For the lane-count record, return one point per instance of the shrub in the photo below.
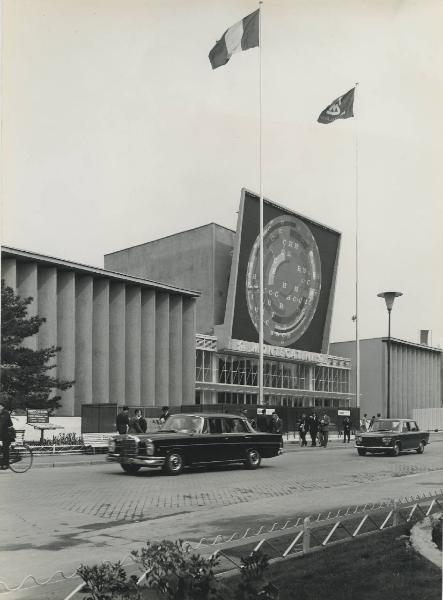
(437, 532)
(252, 585)
(176, 573)
(109, 581)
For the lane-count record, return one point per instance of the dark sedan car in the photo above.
(195, 439)
(392, 436)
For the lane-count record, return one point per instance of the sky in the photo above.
(116, 131)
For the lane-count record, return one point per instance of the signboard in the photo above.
(300, 263)
(288, 353)
(344, 413)
(37, 415)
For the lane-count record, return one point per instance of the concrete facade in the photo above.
(123, 339)
(197, 259)
(415, 375)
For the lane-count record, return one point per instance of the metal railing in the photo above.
(295, 537)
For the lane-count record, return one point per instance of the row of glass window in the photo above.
(277, 374)
(274, 400)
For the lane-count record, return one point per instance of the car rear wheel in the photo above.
(396, 450)
(361, 452)
(130, 469)
(174, 463)
(253, 459)
(421, 448)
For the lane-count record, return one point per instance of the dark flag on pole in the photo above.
(241, 36)
(341, 108)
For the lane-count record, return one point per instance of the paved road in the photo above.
(57, 518)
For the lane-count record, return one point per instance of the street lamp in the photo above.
(389, 299)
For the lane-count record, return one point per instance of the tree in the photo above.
(25, 378)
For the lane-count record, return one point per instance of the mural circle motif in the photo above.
(292, 280)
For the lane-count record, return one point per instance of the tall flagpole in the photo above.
(357, 315)
(260, 367)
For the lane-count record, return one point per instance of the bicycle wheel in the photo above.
(20, 458)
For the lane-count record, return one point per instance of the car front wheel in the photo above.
(421, 448)
(130, 469)
(396, 450)
(174, 464)
(361, 452)
(253, 459)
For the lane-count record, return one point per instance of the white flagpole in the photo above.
(357, 315)
(260, 368)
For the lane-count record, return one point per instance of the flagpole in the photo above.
(260, 368)
(357, 315)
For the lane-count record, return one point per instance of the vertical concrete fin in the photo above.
(147, 348)
(100, 341)
(66, 339)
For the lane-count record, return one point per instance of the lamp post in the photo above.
(389, 299)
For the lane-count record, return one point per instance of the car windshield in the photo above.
(386, 425)
(183, 424)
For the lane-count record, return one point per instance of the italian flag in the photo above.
(241, 36)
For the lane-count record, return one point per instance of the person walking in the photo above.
(276, 423)
(122, 422)
(165, 414)
(7, 435)
(303, 430)
(313, 428)
(138, 423)
(262, 421)
(364, 423)
(324, 430)
(347, 424)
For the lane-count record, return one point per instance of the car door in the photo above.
(235, 432)
(215, 441)
(407, 437)
(414, 434)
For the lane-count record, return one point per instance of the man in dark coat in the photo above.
(347, 429)
(122, 422)
(313, 428)
(276, 423)
(262, 421)
(138, 423)
(165, 414)
(303, 429)
(6, 435)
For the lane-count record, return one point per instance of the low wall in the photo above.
(428, 419)
(66, 424)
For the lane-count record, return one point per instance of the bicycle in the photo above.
(20, 454)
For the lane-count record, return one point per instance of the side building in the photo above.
(123, 339)
(415, 376)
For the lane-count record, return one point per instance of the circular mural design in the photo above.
(292, 280)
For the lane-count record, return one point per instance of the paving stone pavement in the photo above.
(61, 517)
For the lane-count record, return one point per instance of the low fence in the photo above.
(292, 538)
(428, 419)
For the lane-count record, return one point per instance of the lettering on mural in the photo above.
(290, 353)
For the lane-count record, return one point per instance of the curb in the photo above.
(421, 540)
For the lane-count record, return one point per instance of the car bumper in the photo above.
(149, 461)
(370, 448)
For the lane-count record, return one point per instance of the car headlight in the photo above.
(386, 440)
(150, 448)
(112, 445)
(358, 439)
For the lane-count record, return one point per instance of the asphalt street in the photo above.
(55, 519)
